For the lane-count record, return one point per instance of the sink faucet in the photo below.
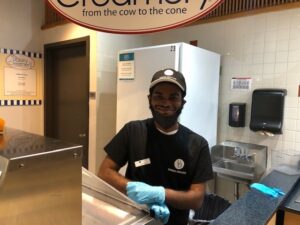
(238, 152)
(242, 153)
(251, 157)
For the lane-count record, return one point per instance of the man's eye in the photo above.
(174, 98)
(171, 98)
(157, 97)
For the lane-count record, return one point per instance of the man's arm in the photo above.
(109, 172)
(190, 199)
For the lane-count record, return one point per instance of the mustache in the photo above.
(165, 121)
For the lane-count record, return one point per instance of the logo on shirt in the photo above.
(179, 164)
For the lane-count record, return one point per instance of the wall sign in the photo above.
(133, 16)
(20, 78)
(126, 66)
(241, 83)
(19, 82)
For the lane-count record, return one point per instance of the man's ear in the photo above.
(183, 102)
(149, 101)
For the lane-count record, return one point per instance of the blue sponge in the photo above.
(274, 192)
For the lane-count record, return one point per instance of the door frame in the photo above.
(48, 48)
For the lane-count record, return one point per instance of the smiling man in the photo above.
(168, 164)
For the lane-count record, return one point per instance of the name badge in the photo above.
(142, 162)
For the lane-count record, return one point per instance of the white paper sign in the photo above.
(126, 66)
(241, 83)
(19, 82)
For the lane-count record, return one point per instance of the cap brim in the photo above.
(166, 80)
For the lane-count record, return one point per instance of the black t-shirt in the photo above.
(173, 161)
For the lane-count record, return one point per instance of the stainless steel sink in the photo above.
(239, 161)
(235, 169)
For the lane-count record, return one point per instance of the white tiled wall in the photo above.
(265, 47)
(268, 52)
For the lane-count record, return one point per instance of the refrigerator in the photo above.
(201, 69)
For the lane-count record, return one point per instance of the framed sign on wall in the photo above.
(20, 78)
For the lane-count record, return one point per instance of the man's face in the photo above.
(166, 99)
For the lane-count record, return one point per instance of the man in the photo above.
(168, 164)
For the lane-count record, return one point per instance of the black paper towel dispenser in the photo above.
(267, 110)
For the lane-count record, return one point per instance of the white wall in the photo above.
(20, 23)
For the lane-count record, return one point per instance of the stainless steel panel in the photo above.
(40, 181)
(104, 205)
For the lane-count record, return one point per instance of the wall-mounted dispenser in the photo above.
(267, 110)
(237, 114)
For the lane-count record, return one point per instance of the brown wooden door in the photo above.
(67, 92)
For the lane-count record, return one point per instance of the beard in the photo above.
(165, 121)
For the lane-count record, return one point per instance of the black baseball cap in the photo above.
(169, 75)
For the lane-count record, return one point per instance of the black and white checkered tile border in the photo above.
(20, 102)
(29, 54)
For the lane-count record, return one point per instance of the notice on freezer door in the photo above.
(126, 66)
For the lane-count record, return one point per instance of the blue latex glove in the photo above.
(145, 194)
(161, 212)
(274, 192)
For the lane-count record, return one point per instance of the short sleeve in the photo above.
(129, 143)
(117, 148)
(201, 166)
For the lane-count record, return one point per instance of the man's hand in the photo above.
(145, 194)
(161, 212)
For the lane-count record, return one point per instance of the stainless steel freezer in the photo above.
(40, 180)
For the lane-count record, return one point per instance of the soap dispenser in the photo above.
(237, 114)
